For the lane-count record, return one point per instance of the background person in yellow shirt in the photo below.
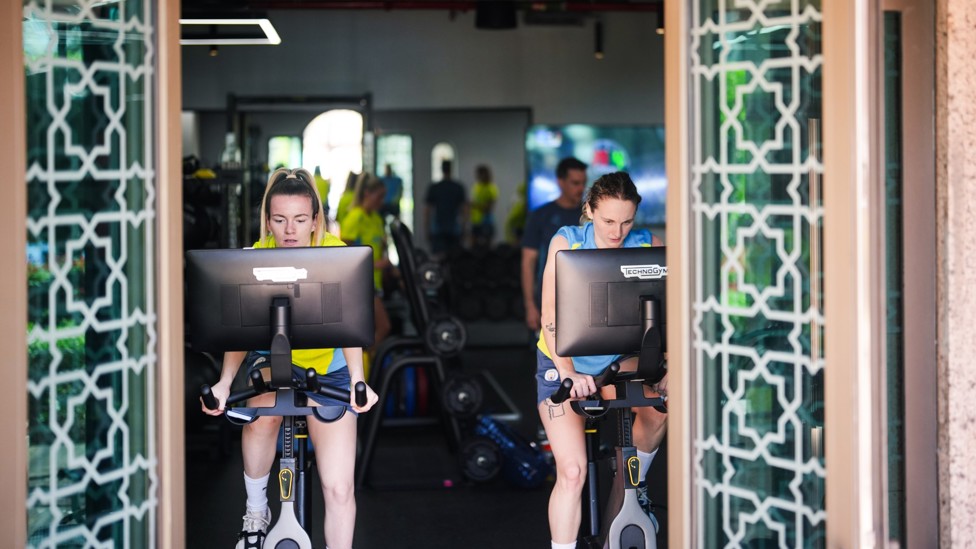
(484, 195)
(348, 197)
(364, 225)
(322, 185)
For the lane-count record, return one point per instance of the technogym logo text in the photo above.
(644, 272)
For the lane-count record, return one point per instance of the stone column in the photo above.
(956, 207)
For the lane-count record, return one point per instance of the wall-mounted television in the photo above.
(638, 150)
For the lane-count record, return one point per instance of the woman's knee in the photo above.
(650, 418)
(264, 426)
(571, 474)
(649, 428)
(341, 491)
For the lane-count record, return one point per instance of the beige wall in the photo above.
(956, 204)
(169, 268)
(680, 451)
(13, 282)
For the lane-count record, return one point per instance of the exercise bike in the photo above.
(290, 531)
(625, 524)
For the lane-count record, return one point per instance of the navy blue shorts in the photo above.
(338, 379)
(546, 377)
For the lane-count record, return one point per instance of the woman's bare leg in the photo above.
(564, 428)
(335, 458)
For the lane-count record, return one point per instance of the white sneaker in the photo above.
(646, 504)
(254, 529)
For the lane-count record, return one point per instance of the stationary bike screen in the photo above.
(329, 291)
(599, 296)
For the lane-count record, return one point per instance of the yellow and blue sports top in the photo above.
(323, 360)
(322, 185)
(345, 202)
(362, 227)
(582, 238)
(483, 194)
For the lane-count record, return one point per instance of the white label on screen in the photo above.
(644, 272)
(279, 274)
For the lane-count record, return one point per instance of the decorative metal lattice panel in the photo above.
(757, 308)
(89, 69)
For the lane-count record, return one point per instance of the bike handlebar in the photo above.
(602, 379)
(562, 393)
(312, 385)
(209, 400)
(359, 392)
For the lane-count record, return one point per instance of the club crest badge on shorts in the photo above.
(552, 375)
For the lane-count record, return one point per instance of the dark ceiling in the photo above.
(213, 8)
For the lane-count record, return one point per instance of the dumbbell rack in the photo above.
(381, 379)
(440, 338)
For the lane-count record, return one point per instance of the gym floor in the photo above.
(412, 507)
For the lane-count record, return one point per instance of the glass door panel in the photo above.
(757, 343)
(91, 219)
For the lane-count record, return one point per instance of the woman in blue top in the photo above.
(291, 216)
(608, 216)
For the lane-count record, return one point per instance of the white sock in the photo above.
(570, 545)
(645, 463)
(257, 492)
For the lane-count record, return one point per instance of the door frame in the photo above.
(170, 434)
(13, 282)
(919, 273)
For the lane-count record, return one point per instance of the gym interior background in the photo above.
(113, 477)
(476, 89)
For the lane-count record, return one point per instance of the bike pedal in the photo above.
(590, 542)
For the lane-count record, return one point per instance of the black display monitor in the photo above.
(328, 291)
(604, 298)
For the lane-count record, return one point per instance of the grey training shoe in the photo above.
(254, 530)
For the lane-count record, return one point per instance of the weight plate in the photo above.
(390, 405)
(410, 391)
(462, 396)
(446, 336)
(429, 276)
(401, 402)
(423, 390)
(480, 458)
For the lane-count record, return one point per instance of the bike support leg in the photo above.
(288, 527)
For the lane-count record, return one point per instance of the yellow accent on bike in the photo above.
(633, 469)
(285, 480)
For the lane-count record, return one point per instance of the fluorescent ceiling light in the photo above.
(230, 32)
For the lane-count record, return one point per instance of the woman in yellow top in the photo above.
(348, 195)
(291, 216)
(322, 185)
(484, 195)
(364, 225)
